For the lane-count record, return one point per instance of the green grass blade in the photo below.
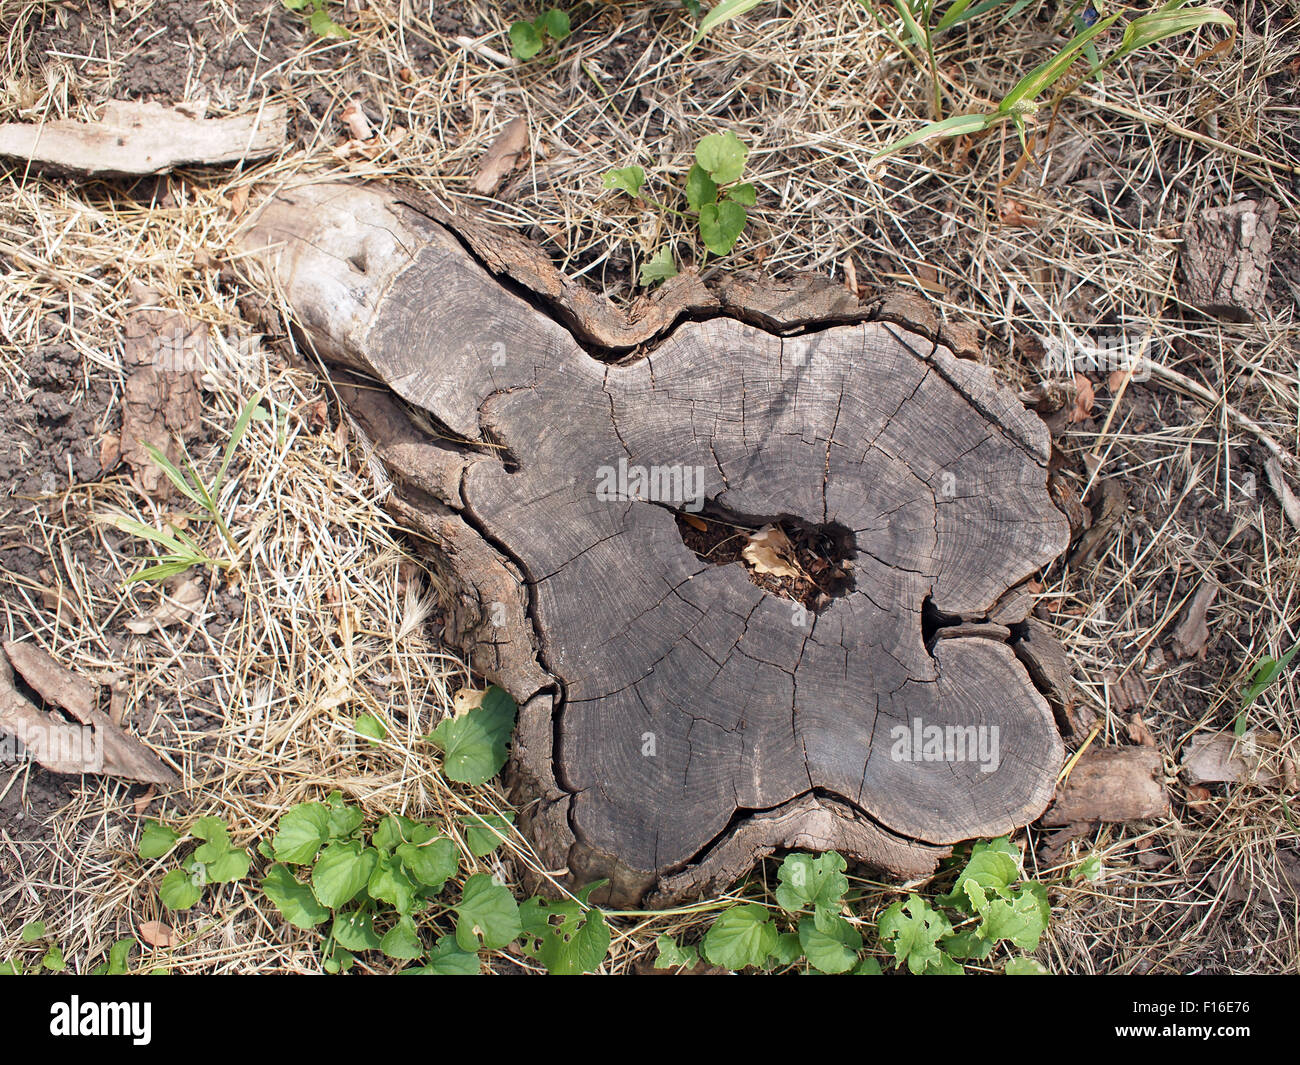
(144, 532)
(236, 435)
(949, 127)
(173, 474)
(1048, 73)
(724, 12)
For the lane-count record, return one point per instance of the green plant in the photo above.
(528, 38)
(1265, 675)
(215, 861)
(181, 552)
(321, 24)
(812, 924)
(715, 197)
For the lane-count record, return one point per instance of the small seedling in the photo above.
(527, 39)
(714, 195)
(321, 24)
(215, 861)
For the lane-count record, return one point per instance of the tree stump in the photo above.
(678, 722)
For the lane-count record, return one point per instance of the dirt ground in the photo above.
(251, 696)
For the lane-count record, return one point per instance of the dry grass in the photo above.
(254, 702)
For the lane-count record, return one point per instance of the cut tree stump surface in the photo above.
(676, 721)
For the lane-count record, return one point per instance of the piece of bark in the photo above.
(1224, 758)
(1225, 258)
(1277, 481)
(1110, 501)
(504, 156)
(143, 138)
(115, 752)
(675, 720)
(163, 355)
(1111, 784)
(1192, 632)
(1049, 668)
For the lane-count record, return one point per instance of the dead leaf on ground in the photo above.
(1012, 212)
(1223, 758)
(176, 606)
(505, 154)
(54, 741)
(1139, 733)
(1192, 633)
(156, 934)
(1085, 398)
(358, 124)
(769, 551)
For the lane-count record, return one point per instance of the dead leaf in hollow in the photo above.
(699, 524)
(175, 607)
(1085, 398)
(156, 934)
(505, 154)
(769, 551)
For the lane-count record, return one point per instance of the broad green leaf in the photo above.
(741, 936)
(32, 931)
(393, 830)
(303, 829)
(355, 930)
(555, 23)
(673, 955)
(967, 945)
(568, 939)
(525, 41)
(1019, 920)
(658, 268)
(294, 899)
(487, 915)
(1025, 967)
(720, 225)
(390, 884)
(955, 126)
(722, 155)
(53, 960)
(324, 26)
(118, 954)
(627, 179)
(700, 188)
(178, 890)
(484, 833)
(341, 871)
(745, 195)
(990, 868)
(806, 881)
(788, 950)
(212, 830)
(370, 727)
(830, 947)
(156, 840)
(12, 967)
(912, 930)
(227, 866)
(945, 966)
(720, 13)
(344, 818)
(447, 959)
(431, 864)
(402, 941)
(869, 966)
(474, 744)
(1089, 869)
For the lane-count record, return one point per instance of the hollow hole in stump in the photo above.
(822, 553)
(932, 620)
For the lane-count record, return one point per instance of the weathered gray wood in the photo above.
(678, 721)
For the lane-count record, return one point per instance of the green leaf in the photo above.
(1019, 920)
(967, 945)
(721, 225)
(721, 13)
(236, 435)
(174, 475)
(118, 954)
(741, 936)
(324, 26)
(355, 930)
(388, 883)
(627, 179)
(228, 866)
(807, 881)
(53, 960)
(402, 941)
(745, 194)
(1047, 74)
(992, 868)
(555, 23)
(32, 931)
(178, 890)
(487, 915)
(722, 155)
(1025, 967)
(658, 268)
(447, 959)
(474, 744)
(12, 967)
(295, 900)
(869, 966)
(830, 946)
(393, 830)
(945, 966)
(955, 126)
(297, 5)
(344, 819)
(370, 727)
(341, 871)
(303, 829)
(431, 864)
(672, 955)
(568, 940)
(484, 833)
(156, 840)
(788, 950)
(1089, 869)
(1268, 670)
(700, 188)
(1169, 21)
(912, 930)
(525, 41)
